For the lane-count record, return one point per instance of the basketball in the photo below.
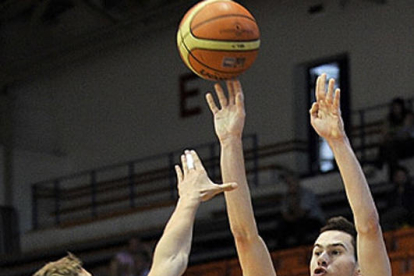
(218, 39)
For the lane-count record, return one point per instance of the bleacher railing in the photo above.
(147, 182)
(367, 124)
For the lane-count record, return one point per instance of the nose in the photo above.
(323, 259)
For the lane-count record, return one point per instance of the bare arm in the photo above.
(253, 254)
(194, 186)
(327, 121)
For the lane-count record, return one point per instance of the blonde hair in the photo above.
(66, 266)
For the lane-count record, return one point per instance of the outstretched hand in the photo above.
(230, 115)
(193, 182)
(325, 113)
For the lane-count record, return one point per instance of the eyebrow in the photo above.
(331, 245)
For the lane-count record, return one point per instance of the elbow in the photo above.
(177, 264)
(244, 236)
(370, 225)
(243, 233)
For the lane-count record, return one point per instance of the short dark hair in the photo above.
(342, 224)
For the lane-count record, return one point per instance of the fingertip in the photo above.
(230, 187)
(239, 97)
(194, 154)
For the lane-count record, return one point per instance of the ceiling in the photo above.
(39, 34)
(34, 33)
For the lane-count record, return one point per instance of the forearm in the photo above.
(372, 253)
(356, 186)
(172, 250)
(238, 203)
(253, 254)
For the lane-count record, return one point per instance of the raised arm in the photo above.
(229, 120)
(194, 186)
(327, 121)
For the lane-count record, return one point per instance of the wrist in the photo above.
(230, 140)
(338, 142)
(189, 201)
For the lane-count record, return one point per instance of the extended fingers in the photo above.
(179, 174)
(320, 87)
(184, 164)
(220, 94)
(197, 162)
(230, 89)
(240, 100)
(337, 99)
(190, 160)
(329, 96)
(211, 103)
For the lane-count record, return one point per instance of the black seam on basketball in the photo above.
(221, 40)
(205, 65)
(222, 16)
(191, 57)
(214, 18)
(212, 39)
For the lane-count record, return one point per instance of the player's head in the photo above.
(66, 266)
(334, 251)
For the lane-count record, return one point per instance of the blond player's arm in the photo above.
(172, 251)
(327, 122)
(253, 254)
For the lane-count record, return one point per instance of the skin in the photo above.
(173, 249)
(325, 115)
(333, 253)
(229, 118)
(326, 120)
(194, 187)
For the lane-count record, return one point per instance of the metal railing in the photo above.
(364, 117)
(129, 186)
(149, 182)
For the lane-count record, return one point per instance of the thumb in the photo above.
(217, 189)
(226, 187)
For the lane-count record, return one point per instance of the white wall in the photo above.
(123, 103)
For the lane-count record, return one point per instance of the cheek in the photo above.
(312, 264)
(347, 265)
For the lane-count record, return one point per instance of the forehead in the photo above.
(335, 237)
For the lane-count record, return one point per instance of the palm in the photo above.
(229, 118)
(328, 123)
(198, 185)
(229, 121)
(194, 183)
(325, 112)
